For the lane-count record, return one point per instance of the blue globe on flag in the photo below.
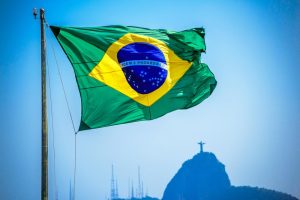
(144, 66)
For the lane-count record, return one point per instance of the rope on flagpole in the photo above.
(75, 167)
(52, 130)
(70, 114)
(62, 84)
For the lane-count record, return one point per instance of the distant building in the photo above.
(113, 185)
(133, 193)
(144, 198)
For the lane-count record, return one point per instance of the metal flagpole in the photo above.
(44, 161)
(44, 111)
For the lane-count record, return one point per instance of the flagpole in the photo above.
(44, 163)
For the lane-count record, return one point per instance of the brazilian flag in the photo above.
(127, 74)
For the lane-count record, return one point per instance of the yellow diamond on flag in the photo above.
(140, 67)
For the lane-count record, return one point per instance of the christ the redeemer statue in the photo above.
(201, 146)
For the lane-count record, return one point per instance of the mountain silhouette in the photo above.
(204, 178)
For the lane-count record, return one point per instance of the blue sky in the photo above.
(251, 122)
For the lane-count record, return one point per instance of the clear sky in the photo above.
(251, 121)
